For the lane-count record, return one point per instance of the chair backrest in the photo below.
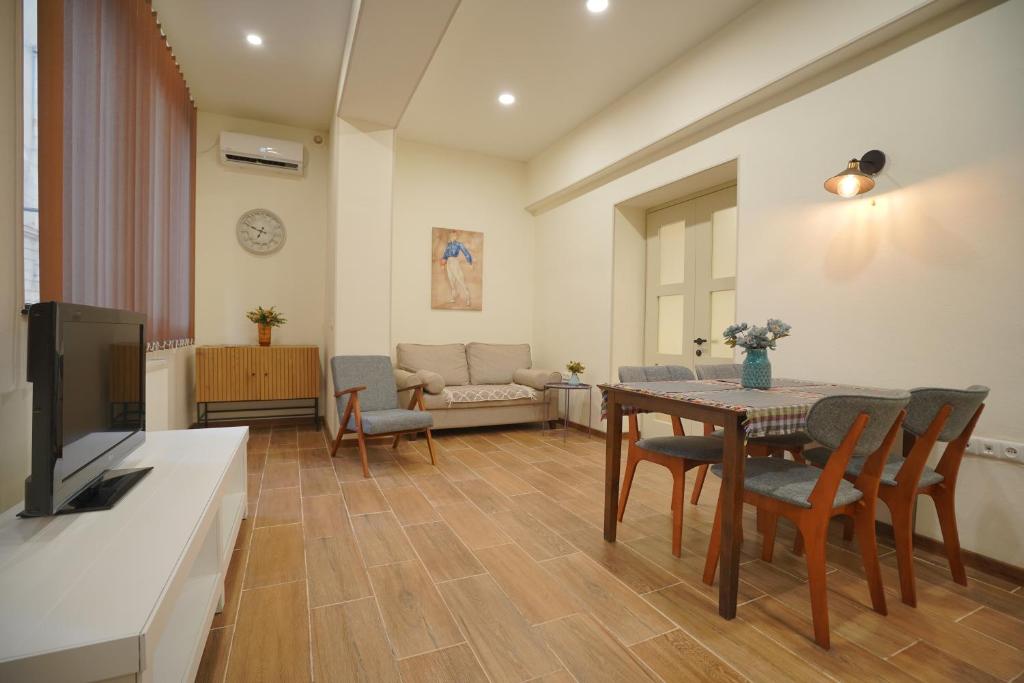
(718, 371)
(926, 402)
(654, 373)
(831, 418)
(373, 372)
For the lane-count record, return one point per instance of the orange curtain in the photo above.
(123, 236)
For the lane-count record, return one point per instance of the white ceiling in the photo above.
(292, 78)
(563, 64)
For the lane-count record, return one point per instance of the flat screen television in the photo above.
(86, 366)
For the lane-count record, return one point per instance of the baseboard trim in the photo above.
(271, 421)
(983, 563)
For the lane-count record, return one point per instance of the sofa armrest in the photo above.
(405, 379)
(535, 377)
(432, 382)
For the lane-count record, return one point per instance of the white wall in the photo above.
(916, 284)
(442, 187)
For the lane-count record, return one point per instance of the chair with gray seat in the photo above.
(758, 446)
(933, 415)
(367, 398)
(851, 426)
(677, 453)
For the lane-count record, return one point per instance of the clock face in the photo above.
(260, 231)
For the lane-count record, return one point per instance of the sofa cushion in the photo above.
(447, 360)
(496, 363)
(394, 420)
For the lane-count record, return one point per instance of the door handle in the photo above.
(699, 340)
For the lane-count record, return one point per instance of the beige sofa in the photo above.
(474, 385)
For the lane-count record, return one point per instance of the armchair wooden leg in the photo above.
(430, 448)
(337, 440)
(945, 507)
(868, 543)
(394, 443)
(678, 486)
(346, 414)
(627, 482)
(902, 531)
(362, 451)
(698, 484)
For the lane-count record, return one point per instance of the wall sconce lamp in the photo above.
(858, 176)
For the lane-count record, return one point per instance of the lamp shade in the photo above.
(850, 182)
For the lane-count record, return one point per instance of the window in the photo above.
(30, 169)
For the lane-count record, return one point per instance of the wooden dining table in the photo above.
(742, 414)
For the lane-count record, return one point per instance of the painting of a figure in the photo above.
(457, 269)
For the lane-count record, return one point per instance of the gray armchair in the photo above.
(367, 397)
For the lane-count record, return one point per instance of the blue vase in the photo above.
(757, 370)
(574, 379)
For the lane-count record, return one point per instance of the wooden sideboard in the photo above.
(238, 374)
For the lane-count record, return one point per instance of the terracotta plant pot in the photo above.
(264, 334)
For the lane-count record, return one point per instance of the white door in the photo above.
(691, 283)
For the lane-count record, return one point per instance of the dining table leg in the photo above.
(732, 514)
(612, 460)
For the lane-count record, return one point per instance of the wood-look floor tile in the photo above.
(590, 653)
(536, 539)
(214, 663)
(336, 572)
(415, 617)
(381, 539)
(471, 458)
(278, 506)
(363, 497)
(310, 439)
(925, 662)
(484, 496)
(252, 486)
(232, 589)
(282, 454)
(324, 516)
(689, 568)
(245, 531)
(508, 648)
(438, 490)
(675, 656)
(621, 610)
(409, 505)
(534, 592)
(277, 475)
(389, 475)
(283, 437)
(504, 481)
(545, 483)
(550, 513)
(441, 551)
(271, 635)
(626, 565)
(347, 465)
(978, 591)
(996, 625)
(451, 665)
(454, 469)
(314, 457)
(276, 556)
(473, 527)
(255, 461)
(318, 481)
(349, 644)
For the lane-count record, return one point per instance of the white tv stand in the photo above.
(127, 593)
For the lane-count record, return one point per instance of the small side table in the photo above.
(569, 388)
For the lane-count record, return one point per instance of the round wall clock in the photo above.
(260, 231)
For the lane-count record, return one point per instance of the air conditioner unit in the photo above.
(238, 149)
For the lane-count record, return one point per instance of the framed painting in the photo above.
(456, 269)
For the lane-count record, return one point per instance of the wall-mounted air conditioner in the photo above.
(238, 149)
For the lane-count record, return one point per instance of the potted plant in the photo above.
(575, 369)
(755, 342)
(265, 319)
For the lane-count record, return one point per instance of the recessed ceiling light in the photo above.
(597, 6)
(254, 39)
(507, 98)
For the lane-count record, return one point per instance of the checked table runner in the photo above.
(780, 410)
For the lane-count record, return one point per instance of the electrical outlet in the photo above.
(997, 449)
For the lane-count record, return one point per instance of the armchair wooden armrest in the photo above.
(416, 400)
(350, 390)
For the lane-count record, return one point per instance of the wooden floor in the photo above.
(492, 567)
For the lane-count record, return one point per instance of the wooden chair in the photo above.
(677, 453)
(368, 404)
(757, 447)
(933, 415)
(850, 425)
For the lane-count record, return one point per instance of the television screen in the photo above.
(102, 364)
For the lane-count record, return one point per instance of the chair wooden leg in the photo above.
(902, 531)
(714, 546)
(945, 507)
(430, 448)
(798, 454)
(627, 482)
(770, 523)
(815, 552)
(868, 543)
(698, 484)
(678, 486)
(798, 543)
(848, 525)
(394, 443)
(337, 440)
(362, 450)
